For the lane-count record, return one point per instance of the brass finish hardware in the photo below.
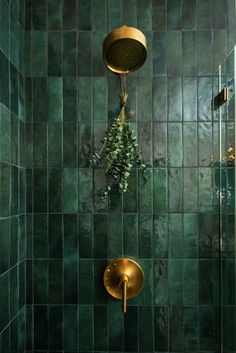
(123, 279)
(221, 98)
(124, 50)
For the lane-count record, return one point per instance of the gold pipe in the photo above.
(124, 296)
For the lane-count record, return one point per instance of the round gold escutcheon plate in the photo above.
(116, 271)
(124, 50)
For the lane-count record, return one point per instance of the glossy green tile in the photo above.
(208, 322)
(70, 145)
(5, 190)
(189, 14)
(100, 235)
(101, 328)
(161, 323)
(159, 102)
(160, 282)
(159, 190)
(54, 14)
(99, 15)
(4, 82)
(175, 198)
(100, 294)
(69, 99)
(85, 98)
(69, 14)
(205, 144)
(190, 196)
(4, 27)
(5, 341)
(70, 277)
(55, 190)
(71, 327)
(219, 48)
(204, 98)
(160, 236)
(85, 144)
(86, 295)
(14, 40)
(70, 191)
(175, 236)
(69, 54)
(85, 55)
(54, 145)
(55, 99)
(175, 154)
(189, 52)
(86, 328)
(190, 145)
(54, 53)
(145, 235)
(174, 53)
(131, 329)
(190, 229)
(100, 94)
(85, 236)
(190, 282)
(144, 22)
(99, 68)
(39, 15)
(145, 192)
(130, 234)
(39, 53)
(85, 190)
(175, 99)
(84, 10)
(159, 14)
(144, 100)
(40, 106)
(5, 302)
(204, 46)
(40, 237)
(160, 144)
(113, 14)
(205, 189)
(14, 140)
(40, 145)
(40, 327)
(146, 296)
(14, 93)
(191, 328)
(174, 14)
(14, 190)
(40, 190)
(176, 328)
(130, 197)
(55, 236)
(114, 240)
(40, 284)
(55, 285)
(5, 128)
(55, 316)
(175, 282)
(4, 245)
(116, 328)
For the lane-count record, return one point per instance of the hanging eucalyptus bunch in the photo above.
(119, 153)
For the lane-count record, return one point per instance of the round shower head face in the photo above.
(124, 50)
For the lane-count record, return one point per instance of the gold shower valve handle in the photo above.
(123, 279)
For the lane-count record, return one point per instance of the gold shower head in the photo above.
(124, 50)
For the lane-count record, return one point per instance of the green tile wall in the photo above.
(12, 178)
(170, 224)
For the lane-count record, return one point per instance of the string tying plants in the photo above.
(119, 153)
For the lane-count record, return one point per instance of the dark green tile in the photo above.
(55, 316)
(160, 236)
(160, 144)
(40, 190)
(54, 53)
(114, 235)
(116, 328)
(40, 99)
(99, 15)
(69, 99)
(4, 26)
(4, 299)
(40, 241)
(71, 327)
(145, 329)
(145, 192)
(86, 282)
(14, 140)
(70, 236)
(208, 327)
(5, 182)
(100, 235)
(175, 236)
(86, 328)
(204, 98)
(84, 10)
(160, 282)
(85, 236)
(204, 8)
(70, 191)
(174, 14)
(70, 145)
(55, 145)
(70, 281)
(14, 291)
(160, 192)
(55, 236)
(101, 328)
(130, 198)
(54, 14)
(159, 102)
(175, 282)
(69, 54)
(113, 14)
(189, 17)
(40, 327)
(144, 22)
(85, 190)
(14, 92)
(159, 14)
(55, 99)
(174, 53)
(145, 235)
(5, 128)
(146, 296)
(4, 82)
(144, 100)
(4, 245)
(85, 98)
(176, 328)
(189, 52)
(190, 249)
(205, 282)
(190, 190)
(55, 190)
(40, 145)
(130, 235)
(100, 294)
(175, 189)
(190, 158)
(175, 99)
(55, 285)
(5, 341)
(69, 14)
(39, 14)
(14, 190)
(161, 323)
(14, 40)
(205, 189)
(85, 55)
(190, 286)
(39, 53)
(13, 241)
(131, 329)
(40, 284)
(204, 46)
(191, 328)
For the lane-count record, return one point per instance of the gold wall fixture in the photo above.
(220, 98)
(124, 50)
(123, 279)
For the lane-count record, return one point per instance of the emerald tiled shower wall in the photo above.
(171, 224)
(12, 178)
